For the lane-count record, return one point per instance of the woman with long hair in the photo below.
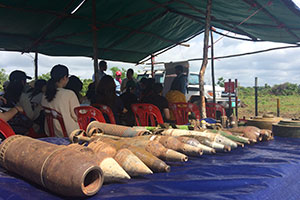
(62, 100)
(106, 95)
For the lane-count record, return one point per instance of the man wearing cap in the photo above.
(16, 94)
(102, 69)
(118, 82)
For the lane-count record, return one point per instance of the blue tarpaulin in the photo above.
(267, 170)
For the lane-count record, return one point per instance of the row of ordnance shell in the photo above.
(145, 153)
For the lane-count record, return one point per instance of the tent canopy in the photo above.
(134, 29)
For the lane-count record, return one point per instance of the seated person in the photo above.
(36, 93)
(11, 112)
(161, 102)
(129, 98)
(91, 93)
(106, 95)
(146, 85)
(175, 96)
(15, 94)
(75, 84)
(62, 100)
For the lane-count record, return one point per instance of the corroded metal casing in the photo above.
(117, 130)
(158, 150)
(55, 167)
(196, 143)
(266, 134)
(150, 160)
(250, 132)
(263, 122)
(173, 143)
(100, 146)
(287, 128)
(131, 163)
(215, 145)
(230, 136)
(154, 163)
(112, 171)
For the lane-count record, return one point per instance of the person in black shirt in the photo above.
(129, 98)
(161, 102)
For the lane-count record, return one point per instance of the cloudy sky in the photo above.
(274, 67)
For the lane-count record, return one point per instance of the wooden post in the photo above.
(95, 48)
(36, 66)
(205, 60)
(278, 108)
(152, 66)
(256, 106)
(236, 99)
(212, 66)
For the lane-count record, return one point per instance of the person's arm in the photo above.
(11, 113)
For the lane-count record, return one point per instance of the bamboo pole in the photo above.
(205, 60)
(95, 48)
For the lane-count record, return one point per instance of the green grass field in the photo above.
(289, 105)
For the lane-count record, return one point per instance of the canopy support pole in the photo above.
(36, 66)
(205, 60)
(95, 48)
(152, 66)
(212, 66)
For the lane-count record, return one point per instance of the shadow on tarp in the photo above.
(267, 170)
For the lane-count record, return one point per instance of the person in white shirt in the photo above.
(102, 69)
(62, 100)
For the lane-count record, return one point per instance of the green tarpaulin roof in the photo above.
(130, 30)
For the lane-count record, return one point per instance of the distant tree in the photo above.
(221, 81)
(285, 89)
(86, 83)
(45, 76)
(3, 78)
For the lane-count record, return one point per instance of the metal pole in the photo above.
(278, 108)
(212, 66)
(36, 66)
(205, 60)
(95, 48)
(236, 99)
(152, 66)
(256, 110)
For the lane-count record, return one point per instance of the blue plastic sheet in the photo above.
(267, 170)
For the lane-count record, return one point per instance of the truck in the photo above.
(193, 94)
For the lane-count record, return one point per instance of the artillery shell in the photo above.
(131, 163)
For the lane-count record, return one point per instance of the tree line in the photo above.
(86, 82)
